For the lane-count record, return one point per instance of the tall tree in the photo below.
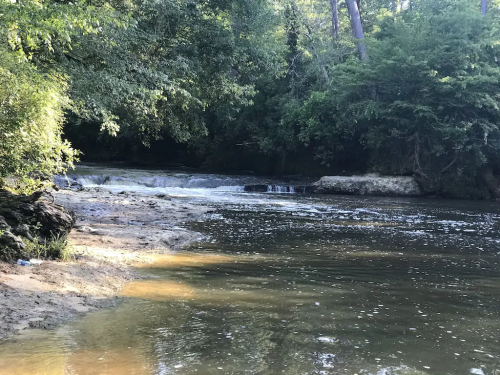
(357, 28)
(335, 18)
(484, 7)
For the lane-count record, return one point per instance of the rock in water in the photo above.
(368, 185)
(30, 218)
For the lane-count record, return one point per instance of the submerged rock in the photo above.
(369, 185)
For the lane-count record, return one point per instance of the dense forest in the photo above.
(403, 87)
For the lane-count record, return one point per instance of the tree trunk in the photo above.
(394, 7)
(309, 35)
(335, 18)
(357, 28)
(484, 7)
(358, 3)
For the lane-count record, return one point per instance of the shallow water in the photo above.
(295, 284)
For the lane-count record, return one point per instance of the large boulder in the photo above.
(368, 185)
(27, 217)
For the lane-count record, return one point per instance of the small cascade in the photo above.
(173, 182)
(168, 181)
(290, 189)
(280, 189)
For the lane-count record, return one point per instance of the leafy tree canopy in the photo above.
(273, 86)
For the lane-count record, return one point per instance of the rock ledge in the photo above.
(371, 184)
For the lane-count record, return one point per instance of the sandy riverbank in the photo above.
(113, 233)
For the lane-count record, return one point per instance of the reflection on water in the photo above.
(19, 358)
(117, 361)
(183, 259)
(301, 285)
(158, 290)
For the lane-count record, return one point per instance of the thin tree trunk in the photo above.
(309, 35)
(394, 7)
(484, 7)
(357, 28)
(335, 18)
(358, 2)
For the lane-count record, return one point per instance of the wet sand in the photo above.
(114, 233)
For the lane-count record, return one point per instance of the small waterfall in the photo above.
(179, 183)
(280, 189)
(175, 181)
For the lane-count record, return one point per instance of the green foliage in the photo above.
(32, 27)
(157, 78)
(426, 104)
(55, 248)
(31, 116)
(35, 91)
(256, 82)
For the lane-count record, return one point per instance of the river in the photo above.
(293, 284)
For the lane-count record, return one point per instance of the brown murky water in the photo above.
(301, 285)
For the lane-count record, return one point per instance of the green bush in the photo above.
(426, 104)
(31, 116)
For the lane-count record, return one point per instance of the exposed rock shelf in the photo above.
(368, 185)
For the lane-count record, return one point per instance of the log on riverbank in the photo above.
(26, 217)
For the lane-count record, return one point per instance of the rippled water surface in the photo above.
(296, 284)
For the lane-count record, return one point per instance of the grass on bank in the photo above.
(55, 248)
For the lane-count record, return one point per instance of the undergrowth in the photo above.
(55, 248)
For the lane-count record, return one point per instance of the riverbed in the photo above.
(288, 283)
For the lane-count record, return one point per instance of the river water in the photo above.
(294, 284)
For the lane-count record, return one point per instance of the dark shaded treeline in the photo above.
(418, 96)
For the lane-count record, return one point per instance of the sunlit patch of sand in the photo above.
(114, 362)
(158, 290)
(113, 253)
(27, 283)
(188, 260)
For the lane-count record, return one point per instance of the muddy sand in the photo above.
(113, 233)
